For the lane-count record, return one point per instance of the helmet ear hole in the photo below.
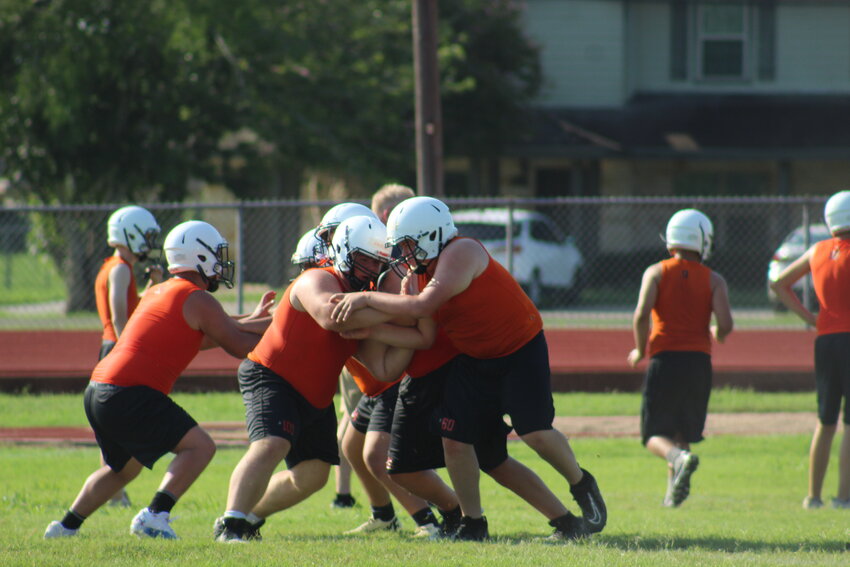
(202, 258)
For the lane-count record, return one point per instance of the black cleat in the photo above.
(586, 493)
(343, 501)
(568, 528)
(472, 529)
(235, 530)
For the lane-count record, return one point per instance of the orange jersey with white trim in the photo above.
(830, 263)
(492, 317)
(299, 350)
(101, 295)
(681, 316)
(157, 344)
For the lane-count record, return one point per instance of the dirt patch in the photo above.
(233, 433)
(780, 423)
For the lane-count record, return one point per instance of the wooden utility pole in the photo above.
(429, 120)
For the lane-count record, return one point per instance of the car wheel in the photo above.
(535, 288)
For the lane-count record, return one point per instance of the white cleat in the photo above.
(148, 524)
(55, 529)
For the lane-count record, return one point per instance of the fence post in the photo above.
(510, 237)
(807, 283)
(240, 254)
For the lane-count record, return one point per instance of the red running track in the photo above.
(66, 354)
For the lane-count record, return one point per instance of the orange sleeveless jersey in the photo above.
(681, 316)
(428, 360)
(830, 265)
(101, 295)
(300, 351)
(157, 344)
(492, 317)
(367, 383)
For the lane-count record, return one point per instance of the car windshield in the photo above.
(484, 231)
(816, 234)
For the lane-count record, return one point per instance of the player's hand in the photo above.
(410, 284)
(346, 304)
(154, 273)
(265, 305)
(714, 333)
(634, 357)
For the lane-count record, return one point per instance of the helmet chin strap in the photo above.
(212, 285)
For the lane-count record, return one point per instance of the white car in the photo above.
(544, 260)
(792, 247)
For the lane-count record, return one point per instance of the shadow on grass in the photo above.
(637, 542)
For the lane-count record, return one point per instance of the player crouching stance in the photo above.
(288, 394)
(134, 420)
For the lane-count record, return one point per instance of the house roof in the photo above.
(697, 126)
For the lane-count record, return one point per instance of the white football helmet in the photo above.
(360, 235)
(133, 227)
(424, 220)
(198, 246)
(307, 249)
(689, 229)
(837, 212)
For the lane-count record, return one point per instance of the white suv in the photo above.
(544, 261)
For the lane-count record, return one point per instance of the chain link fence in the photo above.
(580, 259)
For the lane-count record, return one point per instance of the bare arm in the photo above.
(417, 337)
(782, 287)
(640, 321)
(385, 363)
(458, 265)
(721, 308)
(119, 282)
(204, 313)
(311, 293)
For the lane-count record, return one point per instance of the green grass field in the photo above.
(744, 509)
(67, 409)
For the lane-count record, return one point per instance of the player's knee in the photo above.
(376, 463)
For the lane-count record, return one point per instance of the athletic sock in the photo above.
(673, 454)
(72, 520)
(234, 514)
(424, 517)
(253, 519)
(383, 513)
(163, 501)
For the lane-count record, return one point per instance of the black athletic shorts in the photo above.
(676, 390)
(416, 444)
(481, 391)
(832, 372)
(136, 421)
(273, 408)
(105, 348)
(375, 413)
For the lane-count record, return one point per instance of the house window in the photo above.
(723, 40)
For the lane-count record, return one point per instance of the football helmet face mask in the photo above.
(133, 227)
(198, 246)
(329, 223)
(690, 229)
(421, 227)
(359, 251)
(837, 212)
